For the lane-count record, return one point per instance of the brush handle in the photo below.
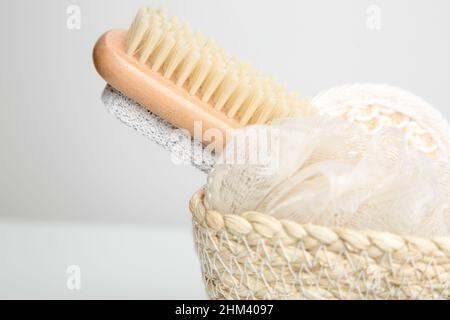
(150, 89)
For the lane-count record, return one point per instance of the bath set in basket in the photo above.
(343, 196)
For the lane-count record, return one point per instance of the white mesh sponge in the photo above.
(331, 172)
(377, 106)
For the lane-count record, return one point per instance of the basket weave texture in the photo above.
(256, 256)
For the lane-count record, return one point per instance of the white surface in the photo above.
(64, 157)
(116, 262)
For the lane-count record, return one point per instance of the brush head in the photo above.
(181, 146)
(202, 69)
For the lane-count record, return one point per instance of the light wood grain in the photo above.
(150, 89)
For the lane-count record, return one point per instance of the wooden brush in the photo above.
(182, 77)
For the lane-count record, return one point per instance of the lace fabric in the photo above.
(333, 173)
(376, 106)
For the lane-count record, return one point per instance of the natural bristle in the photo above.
(196, 64)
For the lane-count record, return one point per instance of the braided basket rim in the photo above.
(270, 227)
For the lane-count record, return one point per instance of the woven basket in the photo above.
(256, 256)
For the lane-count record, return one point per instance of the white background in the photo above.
(78, 187)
